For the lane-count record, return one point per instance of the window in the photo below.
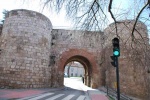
(72, 69)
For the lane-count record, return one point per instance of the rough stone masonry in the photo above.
(33, 54)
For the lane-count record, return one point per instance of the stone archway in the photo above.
(87, 59)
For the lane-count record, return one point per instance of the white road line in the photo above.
(42, 96)
(26, 98)
(81, 97)
(55, 97)
(68, 97)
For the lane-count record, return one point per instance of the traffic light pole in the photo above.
(117, 76)
(116, 54)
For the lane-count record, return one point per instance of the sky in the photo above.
(58, 20)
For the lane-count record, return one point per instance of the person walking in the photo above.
(82, 79)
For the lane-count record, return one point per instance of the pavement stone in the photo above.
(97, 95)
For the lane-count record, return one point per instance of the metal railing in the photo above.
(112, 93)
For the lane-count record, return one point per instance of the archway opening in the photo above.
(74, 69)
(89, 62)
(79, 68)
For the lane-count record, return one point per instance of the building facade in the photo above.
(74, 70)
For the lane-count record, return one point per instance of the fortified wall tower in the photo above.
(133, 60)
(25, 45)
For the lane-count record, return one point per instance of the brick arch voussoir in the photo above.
(65, 56)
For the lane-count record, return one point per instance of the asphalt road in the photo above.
(74, 90)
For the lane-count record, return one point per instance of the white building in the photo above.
(75, 70)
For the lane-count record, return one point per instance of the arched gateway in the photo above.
(33, 54)
(87, 60)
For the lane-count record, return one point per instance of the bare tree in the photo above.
(93, 14)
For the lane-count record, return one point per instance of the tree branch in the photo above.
(109, 10)
(138, 18)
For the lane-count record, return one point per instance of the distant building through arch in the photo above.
(74, 69)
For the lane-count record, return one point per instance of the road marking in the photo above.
(26, 98)
(81, 97)
(55, 97)
(68, 97)
(41, 96)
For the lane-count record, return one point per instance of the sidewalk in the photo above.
(6, 94)
(97, 95)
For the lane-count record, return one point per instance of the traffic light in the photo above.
(116, 49)
(116, 54)
(113, 61)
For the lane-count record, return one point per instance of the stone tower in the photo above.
(133, 61)
(25, 45)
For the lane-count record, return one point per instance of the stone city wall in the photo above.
(66, 40)
(63, 40)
